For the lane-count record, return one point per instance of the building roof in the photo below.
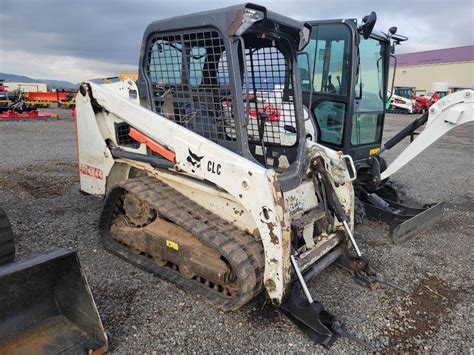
(437, 56)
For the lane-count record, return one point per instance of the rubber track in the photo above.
(7, 241)
(241, 250)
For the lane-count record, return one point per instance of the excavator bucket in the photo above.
(46, 307)
(405, 222)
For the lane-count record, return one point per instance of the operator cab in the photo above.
(405, 91)
(347, 94)
(229, 78)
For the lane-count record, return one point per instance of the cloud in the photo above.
(72, 40)
(74, 69)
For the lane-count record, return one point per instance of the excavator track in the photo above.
(138, 238)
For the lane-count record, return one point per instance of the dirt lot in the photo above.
(39, 190)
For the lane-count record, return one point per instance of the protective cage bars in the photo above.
(186, 84)
(189, 75)
(270, 92)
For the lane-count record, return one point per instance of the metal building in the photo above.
(26, 87)
(454, 66)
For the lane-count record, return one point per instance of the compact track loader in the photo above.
(345, 75)
(208, 177)
(46, 306)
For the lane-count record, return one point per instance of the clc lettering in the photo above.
(214, 168)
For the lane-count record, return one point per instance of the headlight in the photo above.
(249, 17)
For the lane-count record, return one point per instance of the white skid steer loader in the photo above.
(400, 104)
(208, 178)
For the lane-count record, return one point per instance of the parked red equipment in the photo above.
(421, 103)
(33, 114)
(47, 96)
(14, 107)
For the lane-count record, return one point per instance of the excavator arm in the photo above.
(450, 112)
(405, 221)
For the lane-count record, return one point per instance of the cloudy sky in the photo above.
(77, 40)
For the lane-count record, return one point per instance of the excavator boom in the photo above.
(448, 113)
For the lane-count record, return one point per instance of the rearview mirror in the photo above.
(368, 23)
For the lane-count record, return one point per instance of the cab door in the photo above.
(349, 79)
(370, 95)
(330, 58)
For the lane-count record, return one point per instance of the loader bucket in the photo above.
(405, 222)
(46, 307)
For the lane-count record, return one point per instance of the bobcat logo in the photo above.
(194, 159)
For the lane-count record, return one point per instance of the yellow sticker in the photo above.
(374, 151)
(172, 245)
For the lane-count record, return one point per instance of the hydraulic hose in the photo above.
(408, 130)
(334, 204)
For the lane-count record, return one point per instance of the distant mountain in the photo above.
(52, 84)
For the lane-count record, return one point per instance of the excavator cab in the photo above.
(349, 86)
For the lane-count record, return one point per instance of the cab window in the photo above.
(166, 62)
(369, 108)
(369, 87)
(329, 57)
(330, 116)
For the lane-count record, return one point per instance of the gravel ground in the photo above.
(39, 190)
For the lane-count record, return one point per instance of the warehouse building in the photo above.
(454, 66)
(26, 87)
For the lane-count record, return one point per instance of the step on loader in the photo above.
(345, 75)
(46, 306)
(208, 177)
